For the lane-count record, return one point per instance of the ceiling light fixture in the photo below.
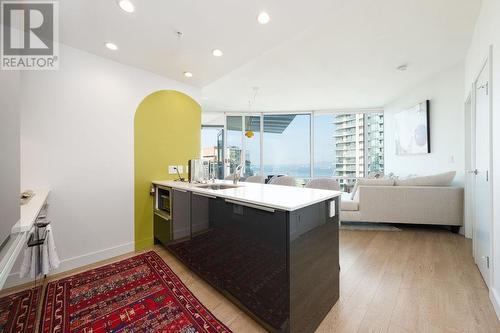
(217, 53)
(188, 74)
(263, 18)
(402, 68)
(126, 6)
(111, 46)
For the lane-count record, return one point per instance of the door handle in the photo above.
(475, 172)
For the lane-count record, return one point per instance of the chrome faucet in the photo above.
(213, 171)
(237, 174)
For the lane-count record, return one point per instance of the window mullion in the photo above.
(311, 145)
(261, 117)
(365, 145)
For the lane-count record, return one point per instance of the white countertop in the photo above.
(273, 196)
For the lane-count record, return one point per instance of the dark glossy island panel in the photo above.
(255, 257)
(314, 265)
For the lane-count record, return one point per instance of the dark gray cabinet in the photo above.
(162, 228)
(181, 214)
(200, 208)
(281, 267)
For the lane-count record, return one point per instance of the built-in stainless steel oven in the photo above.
(163, 200)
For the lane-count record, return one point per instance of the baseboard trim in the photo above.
(76, 262)
(495, 300)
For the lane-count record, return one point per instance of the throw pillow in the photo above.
(442, 179)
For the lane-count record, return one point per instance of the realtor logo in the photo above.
(30, 35)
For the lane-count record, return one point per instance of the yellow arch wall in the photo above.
(167, 128)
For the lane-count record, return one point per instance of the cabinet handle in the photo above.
(251, 205)
(205, 195)
(183, 191)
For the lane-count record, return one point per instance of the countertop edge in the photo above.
(193, 188)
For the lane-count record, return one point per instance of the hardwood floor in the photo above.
(416, 280)
(411, 281)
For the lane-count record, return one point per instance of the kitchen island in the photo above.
(272, 250)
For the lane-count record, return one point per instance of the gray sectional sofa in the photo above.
(416, 200)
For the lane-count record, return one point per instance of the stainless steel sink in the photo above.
(218, 186)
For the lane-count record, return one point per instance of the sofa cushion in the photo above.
(371, 182)
(442, 179)
(346, 203)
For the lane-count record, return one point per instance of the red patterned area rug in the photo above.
(18, 311)
(139, 295)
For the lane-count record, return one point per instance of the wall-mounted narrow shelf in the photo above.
(19, 235)
(31, 210)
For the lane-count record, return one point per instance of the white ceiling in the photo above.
(147, 38)
(314, 54)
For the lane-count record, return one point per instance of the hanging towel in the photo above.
(30, 261)
(40, 259)
(26, 265)
(50, 259)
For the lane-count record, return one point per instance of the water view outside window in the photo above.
(324, 145)
(346, 146)
(252, 139)
(287, 145)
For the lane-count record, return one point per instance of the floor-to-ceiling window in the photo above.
(252, 137)
(287, 145)
(345, 146)
(324, 145)
(375, 142)
(234, 143)
(212, 147)
(348, 146)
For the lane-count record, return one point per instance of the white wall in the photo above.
(213, 118)
(487, 32)
(10, 88)
(445, 92)
(77, 128)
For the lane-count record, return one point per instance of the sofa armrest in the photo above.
(412, 204)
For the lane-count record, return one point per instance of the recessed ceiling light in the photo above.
(111, 46)
(188, 74)
(217, 53)
(402, 68)
(126, 5)
(263, 18)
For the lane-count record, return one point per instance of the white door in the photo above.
(483, 200)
